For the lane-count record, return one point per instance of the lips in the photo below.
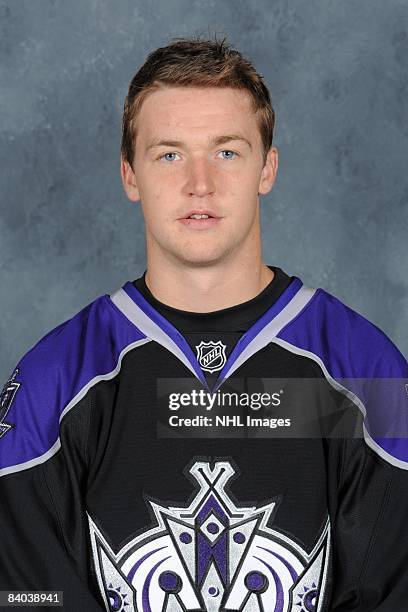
(200, 224)
(195, 211)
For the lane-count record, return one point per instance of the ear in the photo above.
(269, 171)
(129, 180)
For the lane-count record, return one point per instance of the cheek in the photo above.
(153, 196)
(243, 202)
(242, 184)
(158, 210)
(161, 196)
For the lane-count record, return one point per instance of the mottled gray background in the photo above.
(337, 216)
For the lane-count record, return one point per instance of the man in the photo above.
(213, 435)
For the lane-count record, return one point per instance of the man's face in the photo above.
(199, 149)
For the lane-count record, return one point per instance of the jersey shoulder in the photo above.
(346, 342)
(362, 362)
(54, 375)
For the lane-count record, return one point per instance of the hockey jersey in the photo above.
(250, 459)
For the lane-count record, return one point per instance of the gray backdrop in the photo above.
(336, 217)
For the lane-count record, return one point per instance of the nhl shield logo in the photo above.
(211, 355)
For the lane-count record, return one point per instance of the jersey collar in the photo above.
(155, 326)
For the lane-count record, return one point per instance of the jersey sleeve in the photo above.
(367, 469)
(370, 494)
(42, 484)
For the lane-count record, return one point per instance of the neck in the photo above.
(205, 289)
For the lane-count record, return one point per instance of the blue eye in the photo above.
(165, 156)
(229, 151)
(170, 156)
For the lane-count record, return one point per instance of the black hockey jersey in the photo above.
(251, 459)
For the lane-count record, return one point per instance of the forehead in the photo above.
(195, 111)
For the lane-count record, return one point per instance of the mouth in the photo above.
(200, 219)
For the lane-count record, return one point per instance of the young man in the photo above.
(213, 435)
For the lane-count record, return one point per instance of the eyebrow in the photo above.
(218, 140)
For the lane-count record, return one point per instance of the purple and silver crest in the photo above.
(211, 355)
(211, 556)
(7, 396)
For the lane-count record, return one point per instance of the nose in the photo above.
(200, 179)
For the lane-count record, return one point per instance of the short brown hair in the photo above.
(194, 61)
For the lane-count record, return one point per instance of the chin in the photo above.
(200, 259)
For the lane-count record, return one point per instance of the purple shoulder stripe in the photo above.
(359, 358)
(54, 375)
